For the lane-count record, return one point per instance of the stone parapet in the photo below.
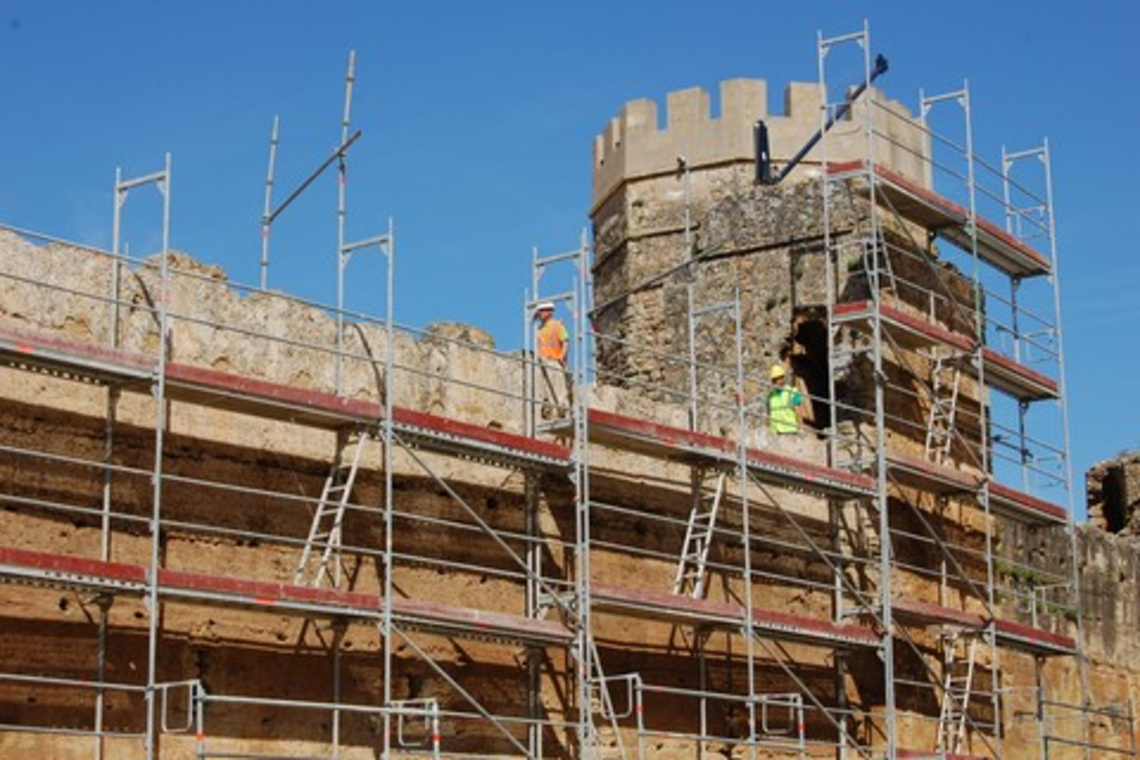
(632, 145)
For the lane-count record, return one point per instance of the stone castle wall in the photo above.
(236, 502)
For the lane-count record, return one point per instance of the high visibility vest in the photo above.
(782, 403)
(553, 340)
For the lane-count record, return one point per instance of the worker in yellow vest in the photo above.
(784, 403)
(552, 343)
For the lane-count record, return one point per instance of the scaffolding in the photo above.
(625, 579)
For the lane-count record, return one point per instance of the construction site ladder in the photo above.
(945, 383)
(602, 704)
(690, 576)
(877, 265)
(320, 559)
(957, 682)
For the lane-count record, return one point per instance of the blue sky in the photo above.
(478, 121)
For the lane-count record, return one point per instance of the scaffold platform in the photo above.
(937, 213)
(62, 571)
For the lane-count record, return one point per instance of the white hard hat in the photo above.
(545, 306)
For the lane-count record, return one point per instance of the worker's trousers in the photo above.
(555, 389)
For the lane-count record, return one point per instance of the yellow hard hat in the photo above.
(776, 372)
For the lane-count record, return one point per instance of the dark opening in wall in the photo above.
(810, 363)
(1113, 495)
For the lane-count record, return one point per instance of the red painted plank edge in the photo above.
(268, 593)
(1034, 636)
(32, 343)
(935, 613)
(677, 437)
(401, 415)
(769, 620)
(1027, 502)
(1032, 378)
(210, 379)
(277, 393)
(60, 563)
(916, 324)
(933, 471)
(947, 206)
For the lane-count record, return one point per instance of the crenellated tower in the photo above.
(663, 194)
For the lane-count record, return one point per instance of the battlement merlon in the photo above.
(631, 146)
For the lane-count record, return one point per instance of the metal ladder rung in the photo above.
(698, 537)
(956, 694)
(325, 529)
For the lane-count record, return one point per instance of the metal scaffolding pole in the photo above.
(341, 219)
(577, 300)
(824, 46)
(388, 441)
(162, 181)
(266, 219)
(962, 99)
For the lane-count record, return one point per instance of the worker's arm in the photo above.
(564, 341)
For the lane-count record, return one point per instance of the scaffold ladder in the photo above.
(602, 704)
(877, 264)
(320, 559)
(960, 651)
(945, 383)
(690, 577)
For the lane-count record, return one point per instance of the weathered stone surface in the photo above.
(1113, 489)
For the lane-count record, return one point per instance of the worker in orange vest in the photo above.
(552, 342)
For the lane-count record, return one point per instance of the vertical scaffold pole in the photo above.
(578, 411)
(389, 506)
(887, 551)
(162, 180)
(1067, 470)
(690, 276)
(341, 218)
(266, 218)
(116, 264)
(532, 497)
(984, 421)
(745, 516)
(120, 195)
(831, 298)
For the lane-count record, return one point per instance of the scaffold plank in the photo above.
(767, 623)
(923, 754)
(1033, 640)
(1017, 380)
(907, 330)
(62, 570)
(925, 613)
(927, 476)
(86, 360)
(913, 332)
(463, 438)
(666, 442)
(65, 571)
(1023, 507)
(935, 212)
(1009, 633)
(264, 398)
(473, 622)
